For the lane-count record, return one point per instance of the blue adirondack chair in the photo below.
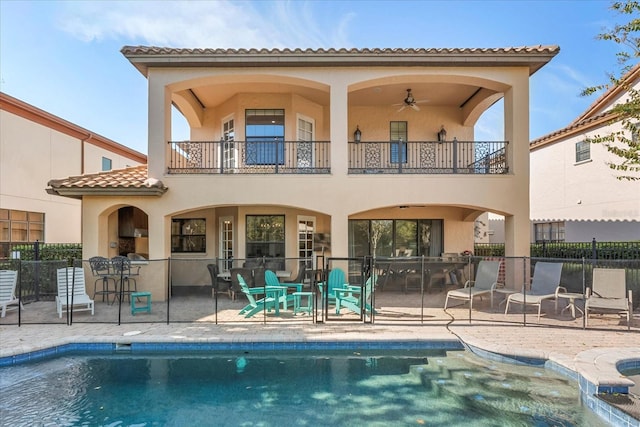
(268, 302)
(272, 281)
(336, 280)
(354, 298)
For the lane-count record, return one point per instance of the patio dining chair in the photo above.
(216, 281)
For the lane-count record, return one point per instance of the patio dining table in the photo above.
(226, 274)
(431, 269)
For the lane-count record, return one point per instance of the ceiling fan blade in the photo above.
(415, 107)
(401, 108)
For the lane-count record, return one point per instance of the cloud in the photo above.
(224, 23)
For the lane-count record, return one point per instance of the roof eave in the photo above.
(78, 193)
(145, 57)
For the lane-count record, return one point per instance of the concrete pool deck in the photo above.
(591, 354)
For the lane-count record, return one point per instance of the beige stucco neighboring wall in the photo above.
(32, 153)
(582, 191)
(586, 196)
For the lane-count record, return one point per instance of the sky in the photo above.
(64, 56)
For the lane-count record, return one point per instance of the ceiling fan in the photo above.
(410, 101)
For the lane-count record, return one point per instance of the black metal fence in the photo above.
(380, 290)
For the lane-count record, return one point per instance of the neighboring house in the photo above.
(575, 196)
(292, 153)
(36, 146)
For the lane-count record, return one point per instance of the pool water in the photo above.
(346, 388)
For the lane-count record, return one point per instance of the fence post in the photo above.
(594, 251)
(36, 259)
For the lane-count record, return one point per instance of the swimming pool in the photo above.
(271, 388)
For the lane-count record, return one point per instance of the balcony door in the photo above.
(226, 242)
(265, 137)
(229, 154)
(304, 146)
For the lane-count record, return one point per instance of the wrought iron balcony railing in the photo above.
(313, 157)
(429, 157)
(249, 157)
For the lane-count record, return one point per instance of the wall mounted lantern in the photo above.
(442, 135)
(357, 135)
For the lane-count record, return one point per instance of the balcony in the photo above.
(249, 157)
(428, 157)
(314, 157)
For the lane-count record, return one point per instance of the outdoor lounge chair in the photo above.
(545, 285)
(609, 294)
(268, 302)
(8, 281)
(485, 283)
(355, 297)
(72, 292)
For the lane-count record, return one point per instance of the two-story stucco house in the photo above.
(575, 196)
(348, 151)
(36, 146)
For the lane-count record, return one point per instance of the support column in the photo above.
(339, 123)
(516, 122)
(339, 115)
(339, 234)
(159, 126)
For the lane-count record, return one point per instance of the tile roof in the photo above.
(595, 114)
(143, 57)
(131, 181)
(573, 128)
(156, 50)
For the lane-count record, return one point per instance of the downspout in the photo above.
(82, 141)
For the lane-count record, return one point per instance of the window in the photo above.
(398, 137)
(265, 236)
(583, 151)
(106, 164)
(549, 232)
(413, 237)
(265, 137)
(19, 227)
(188, 235)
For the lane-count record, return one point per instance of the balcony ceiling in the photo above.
(390, 95)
